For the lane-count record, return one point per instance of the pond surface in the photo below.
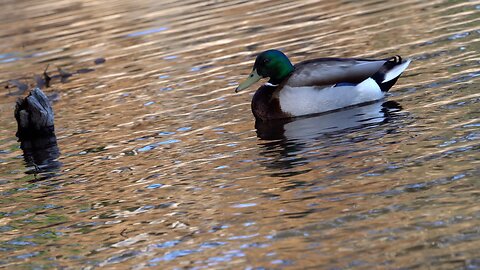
(162, 166)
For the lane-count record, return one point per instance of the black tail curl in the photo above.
(379, 76)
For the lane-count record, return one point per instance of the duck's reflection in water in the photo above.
(285, 140)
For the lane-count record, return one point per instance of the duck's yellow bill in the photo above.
(252, 78)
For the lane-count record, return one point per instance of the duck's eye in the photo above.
(266, 60)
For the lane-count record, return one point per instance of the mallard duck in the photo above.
(318, 85)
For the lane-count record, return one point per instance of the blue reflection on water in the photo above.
(155, 145)
(147, 32)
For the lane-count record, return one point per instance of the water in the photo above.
(162, 165)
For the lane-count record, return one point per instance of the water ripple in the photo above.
(164, 165)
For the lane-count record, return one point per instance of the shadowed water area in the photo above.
(161, 165)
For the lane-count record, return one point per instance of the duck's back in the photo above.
(330, 71)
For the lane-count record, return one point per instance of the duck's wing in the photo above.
(330, 71)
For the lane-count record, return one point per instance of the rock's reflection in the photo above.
(286, 138)
(41, 154)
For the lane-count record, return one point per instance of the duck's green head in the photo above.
(271, 64)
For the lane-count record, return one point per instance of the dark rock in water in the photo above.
(99, 61)
(36, 133)
(34, 116)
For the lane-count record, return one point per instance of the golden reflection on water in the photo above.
(163, 165)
